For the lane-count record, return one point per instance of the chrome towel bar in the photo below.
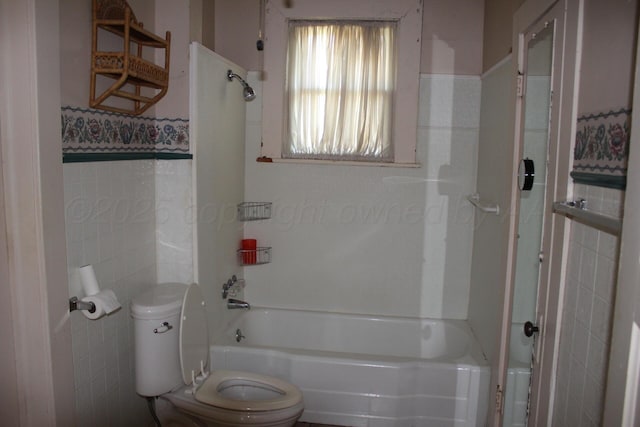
(577, 210)
(475, 200)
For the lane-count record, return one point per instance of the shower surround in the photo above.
(372, 240)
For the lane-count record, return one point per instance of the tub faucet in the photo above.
(236, 303)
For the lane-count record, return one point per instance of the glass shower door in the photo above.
(535, 87)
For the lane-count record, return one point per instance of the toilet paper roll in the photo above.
(88, 280)
(105, 301)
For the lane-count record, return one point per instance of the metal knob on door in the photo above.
(530, 329)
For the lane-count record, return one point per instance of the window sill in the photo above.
(338, 162)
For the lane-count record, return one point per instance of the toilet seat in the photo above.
(227, 394)
(256, 392)
(194, 336)
(184, 401)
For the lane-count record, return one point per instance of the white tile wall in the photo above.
(448, 129)
(411, 260)
(110, 223)
(174, 221)
(587, 317)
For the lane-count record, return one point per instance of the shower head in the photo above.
(248, 93)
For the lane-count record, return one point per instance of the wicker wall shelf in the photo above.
(127, 67)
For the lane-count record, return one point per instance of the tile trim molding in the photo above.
(601, 148)
(90, 132)
(112, 157)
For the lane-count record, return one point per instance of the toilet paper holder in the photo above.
(76, 304)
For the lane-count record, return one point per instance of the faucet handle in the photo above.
(226, 287)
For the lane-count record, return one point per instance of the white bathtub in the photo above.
(365, 371)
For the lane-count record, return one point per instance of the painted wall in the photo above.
(175, 16)
(208, 24)
(609, 38)
(184, 18)
(372, 240)
(75, 47)
(498, 29)
(451, 36)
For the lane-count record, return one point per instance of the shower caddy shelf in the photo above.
(137, 80)
(254, 211)
(261, 255)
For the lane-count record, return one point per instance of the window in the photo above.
(339, 90)
(385, 132)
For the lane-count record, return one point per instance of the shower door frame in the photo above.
(555, 228)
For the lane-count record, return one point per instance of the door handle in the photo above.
(530, 329)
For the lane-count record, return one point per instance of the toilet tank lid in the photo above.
(159, 302)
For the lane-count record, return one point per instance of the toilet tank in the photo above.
(156, 325)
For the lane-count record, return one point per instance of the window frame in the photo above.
(407, 14)
(386, 155)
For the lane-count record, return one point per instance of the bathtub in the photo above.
(365, 371)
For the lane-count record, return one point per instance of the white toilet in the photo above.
(172, 355)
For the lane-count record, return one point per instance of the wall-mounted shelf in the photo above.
(137, 80)
(577, 211)
(260, 255)
(253, 211)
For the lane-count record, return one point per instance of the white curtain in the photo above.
(339, 90)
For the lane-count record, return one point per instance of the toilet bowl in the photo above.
(170, 417)
(172, 354)
(232, 398)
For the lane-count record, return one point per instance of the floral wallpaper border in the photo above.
(601, 148)
(87, 131)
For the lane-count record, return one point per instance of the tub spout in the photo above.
(236, 303)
